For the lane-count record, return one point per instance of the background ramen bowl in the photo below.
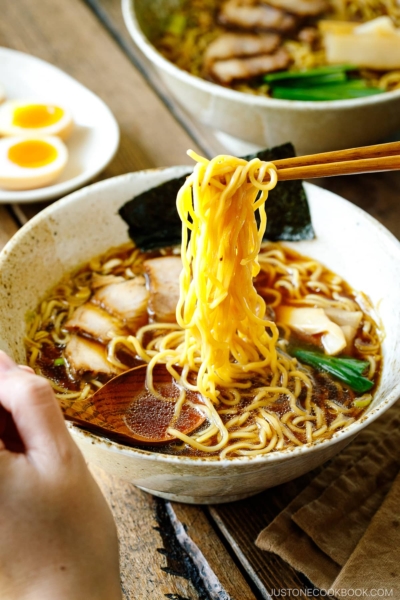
(265, 122)
(86, 223)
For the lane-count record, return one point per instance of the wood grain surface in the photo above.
(198, 527)
(8, 226)
(241, 522)
(153, 564)
(150, 568)
(109, 12)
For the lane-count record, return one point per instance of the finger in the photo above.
(26, 368)
(33, 407)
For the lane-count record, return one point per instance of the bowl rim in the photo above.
(280, 455)
(214, 89)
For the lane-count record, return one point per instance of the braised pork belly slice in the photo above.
(234, 45)
(248, 14)
(127, 301)
(163, 281)
(85, 356)
(90, 320)
(301, 8)
(226, 71)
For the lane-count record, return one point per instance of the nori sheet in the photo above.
(152, 216)
(154, 222)
(287, 207)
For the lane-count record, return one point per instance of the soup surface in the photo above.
(118, 311)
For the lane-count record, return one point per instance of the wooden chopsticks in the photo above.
(367, 159)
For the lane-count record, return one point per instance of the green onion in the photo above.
(315, 80)
(320, 84)
(59, 362)
(343, 91)
(347, 370)
(177, 24)
(328, 70)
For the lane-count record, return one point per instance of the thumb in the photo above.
(34, 409)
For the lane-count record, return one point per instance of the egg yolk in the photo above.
(36, 115)
(32, 154)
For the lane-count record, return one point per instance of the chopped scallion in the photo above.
(363, 401)
(177, 24)
(59, 362)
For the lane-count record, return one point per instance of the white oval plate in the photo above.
(95, 138)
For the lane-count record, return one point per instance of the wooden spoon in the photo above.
(125, 410)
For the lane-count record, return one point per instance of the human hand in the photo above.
(58, 539)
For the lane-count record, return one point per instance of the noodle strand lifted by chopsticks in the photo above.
(219, 308)
(226, 339)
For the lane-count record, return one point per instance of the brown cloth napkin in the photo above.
(337, 520)
(317, 532)
(375, 563)
(285, 538)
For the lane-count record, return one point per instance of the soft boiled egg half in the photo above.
(28, 163)
(19, 117)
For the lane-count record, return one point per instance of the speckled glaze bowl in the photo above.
(86, 223)
(265, 122)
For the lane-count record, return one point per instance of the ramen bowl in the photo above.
(264, 122)
(86, 223)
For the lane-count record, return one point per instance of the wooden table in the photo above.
(88, 40)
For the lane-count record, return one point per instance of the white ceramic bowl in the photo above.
(86, 223)
(265, 122)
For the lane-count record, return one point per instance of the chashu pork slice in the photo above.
(163, 280)
(248, 14)
(234, 45)
(90, 320)
(85, 356)
(301, 8)
(126, 301)
(226, 71)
